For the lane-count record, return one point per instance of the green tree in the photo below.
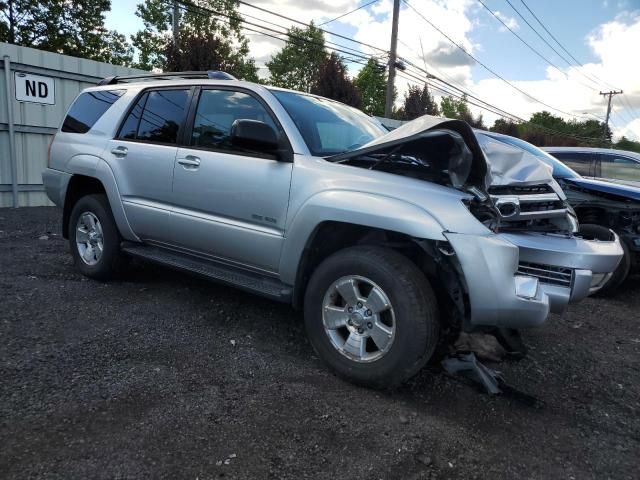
(506, 127)
(459, 109)
(57, 26)
(625, 144)
(417, 102)
(334, 83)
(298, 64)
(371, 81)
(207, 52)
(199, 28)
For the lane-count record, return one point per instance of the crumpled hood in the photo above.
(420, 128)
(510, 165)
(494, 162)
(625, 191)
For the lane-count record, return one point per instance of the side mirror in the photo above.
(258, 136)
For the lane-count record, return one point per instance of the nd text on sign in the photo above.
(35, 88)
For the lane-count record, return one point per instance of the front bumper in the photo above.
(515, 280)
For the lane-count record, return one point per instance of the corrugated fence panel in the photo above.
(35, 123)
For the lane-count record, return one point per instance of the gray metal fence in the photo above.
(36, 88)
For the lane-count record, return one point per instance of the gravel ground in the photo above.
(165, 376)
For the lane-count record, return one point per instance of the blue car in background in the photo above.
(600, 205)
(618, 166)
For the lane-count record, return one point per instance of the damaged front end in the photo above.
(528, 261)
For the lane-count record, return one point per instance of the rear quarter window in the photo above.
(87, 110)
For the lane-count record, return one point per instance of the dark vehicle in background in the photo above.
(600, 205)
(618, 166)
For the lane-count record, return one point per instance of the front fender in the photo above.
(357, 208)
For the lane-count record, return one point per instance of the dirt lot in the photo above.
(165, 376)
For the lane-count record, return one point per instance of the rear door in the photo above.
(229, 203)
(142, 156)
(581, 162)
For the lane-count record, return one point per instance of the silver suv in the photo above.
(385, 240)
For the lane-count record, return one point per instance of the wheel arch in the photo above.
(91, 175)
(336, 220)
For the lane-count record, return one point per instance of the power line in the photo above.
(488, 107)
(349, 13)
(190, 6)
(521, 39)
(488, 68)
(510, 117)
(558, 42)
(262, 9)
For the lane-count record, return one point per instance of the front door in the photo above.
(229, 203)
(142, 157)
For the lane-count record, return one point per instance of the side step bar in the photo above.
(216, 271)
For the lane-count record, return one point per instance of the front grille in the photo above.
(527, 202)
(553, 275)
(543, 206)
(520, 190)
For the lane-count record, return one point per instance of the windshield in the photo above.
(560, 170)
(328, 127)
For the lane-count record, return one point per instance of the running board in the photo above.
(246, 280)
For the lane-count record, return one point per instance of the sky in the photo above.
(602, 36)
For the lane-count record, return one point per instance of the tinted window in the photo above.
(621, 168)
(130, 126)
(580, 162)
(328, 127)
(87, 110)
(162, 116)
(216, 112)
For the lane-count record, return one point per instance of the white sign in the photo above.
(35, 88)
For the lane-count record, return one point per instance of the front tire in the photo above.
(372, 316)
(94, 238)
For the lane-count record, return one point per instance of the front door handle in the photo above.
(120, 151)
(189, 162)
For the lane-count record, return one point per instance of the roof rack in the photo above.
(211, 74)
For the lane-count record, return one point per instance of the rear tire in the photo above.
(394, 325)
(620, 274)
(94, 238)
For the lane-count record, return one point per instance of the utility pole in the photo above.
(610, 94)
(176, 23)
(388, 101)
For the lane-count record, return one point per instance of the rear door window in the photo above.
(156, 117)
(620, 168)
(87, 110)
(581, 162)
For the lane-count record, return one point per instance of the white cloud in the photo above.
(612, 43)
(510, 22)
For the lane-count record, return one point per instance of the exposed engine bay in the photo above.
(510, 190)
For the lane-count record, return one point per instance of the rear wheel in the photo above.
(598, 232)
(94, 238)
(371, 315)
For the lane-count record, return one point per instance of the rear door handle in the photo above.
(120, 151)
(189, 162)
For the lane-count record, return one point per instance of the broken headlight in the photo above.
(484, 211)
